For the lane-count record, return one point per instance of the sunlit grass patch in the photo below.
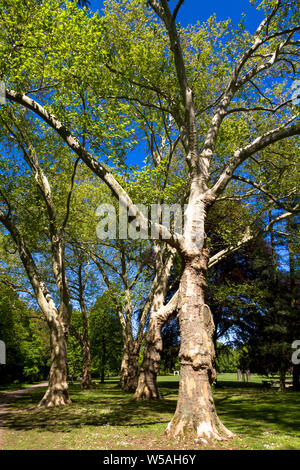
(106, 418)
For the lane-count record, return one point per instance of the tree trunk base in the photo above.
(203, 431)
(145, 393)
(196, 416)
(129, 370)
(128, 386)
(147, 388)
(86, 384)
(55, 397)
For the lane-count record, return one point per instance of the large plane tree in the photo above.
(227, 93)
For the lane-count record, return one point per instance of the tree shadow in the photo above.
(106, 407)
(238, 385)
(246, 408)
(257, 411)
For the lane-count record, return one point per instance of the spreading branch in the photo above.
(97, 168)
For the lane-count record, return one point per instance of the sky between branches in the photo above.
(194, 10)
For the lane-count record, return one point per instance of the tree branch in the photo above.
(246, 238)
(240, 155)
(97, 168)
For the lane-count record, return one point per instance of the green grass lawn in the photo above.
(12, 387)
(106, 418)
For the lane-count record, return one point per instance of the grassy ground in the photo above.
(14, 386)
(106, 418)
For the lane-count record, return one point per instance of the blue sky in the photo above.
(193, 10)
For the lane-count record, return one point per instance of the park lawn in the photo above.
(106, 418)
(13, 386)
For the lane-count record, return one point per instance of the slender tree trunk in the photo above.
(83, 339)
(195, 413)
(274, 256)
(86, 382)
(129, 366)
(296, 367)
(103, 360)
(278, 317)
(57, 393)
(282, 374)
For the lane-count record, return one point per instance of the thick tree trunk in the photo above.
(195, 414)
(147, 385)
(57, 393)
(129, 367)
(147, 388)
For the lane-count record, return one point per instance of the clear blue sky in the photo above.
(193, 10)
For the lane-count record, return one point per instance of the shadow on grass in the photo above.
(254, 412)
(245, 408)
(239, 385)
(103, 406)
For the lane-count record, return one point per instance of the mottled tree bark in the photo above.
(57, 393)
(147, 388)
(86, 381)
(131, 347)
(195, 412)
(130, 366)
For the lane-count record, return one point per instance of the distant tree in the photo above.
(227, 358)
(25, 335)
(105, 336)
(274, 322)
(79, 264)
(35, 207)
(170, 334)
(75, 353)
